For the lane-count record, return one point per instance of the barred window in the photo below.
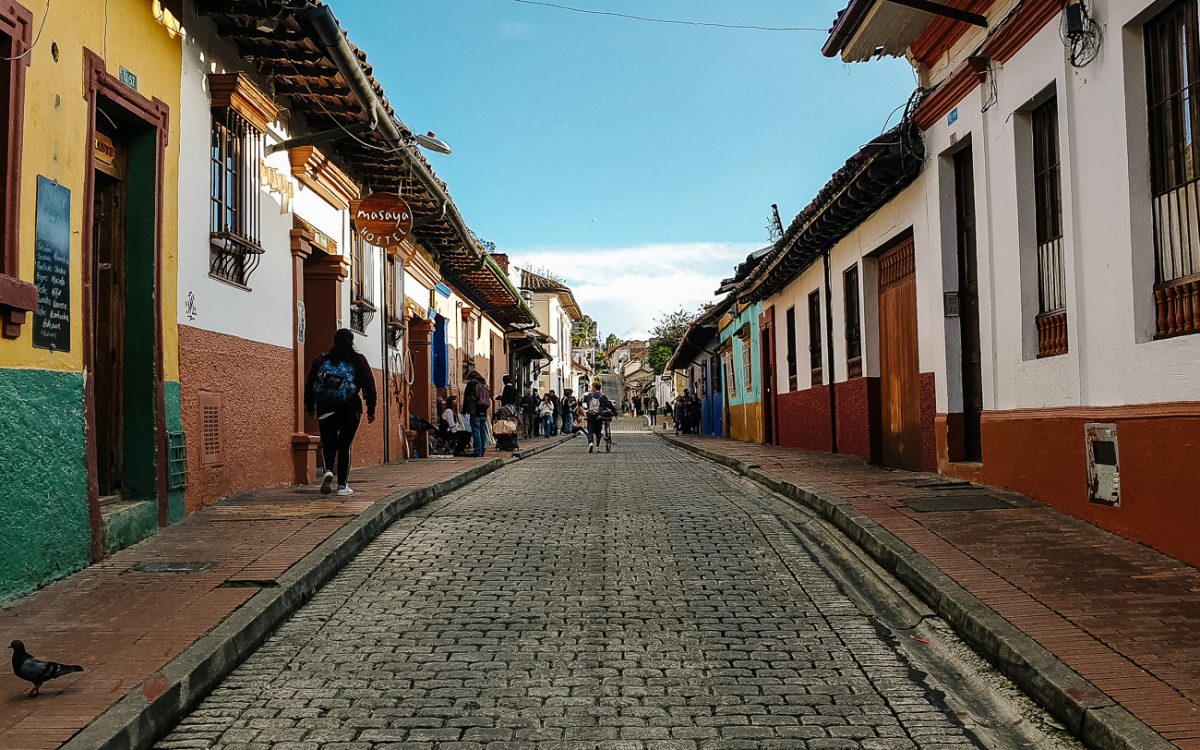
(790, 329)
(814, 337)
(234, 210)
(362, 304)
(1173, 74)
(853, 323)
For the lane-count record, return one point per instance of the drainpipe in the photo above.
(833, 431)
(383, 388)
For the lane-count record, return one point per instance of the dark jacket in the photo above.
(363, 378)
(530, 403)
(567, 405)
(509, 395)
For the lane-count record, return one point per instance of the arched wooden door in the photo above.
(899, 372)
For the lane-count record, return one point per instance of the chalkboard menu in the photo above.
(52, 267)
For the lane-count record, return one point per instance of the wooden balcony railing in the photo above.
(1177, 307)
(1052, 333)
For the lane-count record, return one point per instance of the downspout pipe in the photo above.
(833, 430)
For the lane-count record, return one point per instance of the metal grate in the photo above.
(211, 448)
(957, 502)
(234, 188)
(169, 566)
(177, 472)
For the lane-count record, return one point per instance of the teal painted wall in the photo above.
(173, 401)
(748, 317)
(44, 530)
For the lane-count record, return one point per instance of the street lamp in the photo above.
(432, 143)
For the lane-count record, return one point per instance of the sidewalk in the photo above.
(124, 624)
(1122, 616)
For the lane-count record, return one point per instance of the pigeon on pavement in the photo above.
(36, 671)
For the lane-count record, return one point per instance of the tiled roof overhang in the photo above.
(698, 334)
(868, 28)
(867, 181)
(299, 68)
(537, 283)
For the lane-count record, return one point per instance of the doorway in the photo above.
(899, 373)
(108, 312)
(970, 447)
(767, 349)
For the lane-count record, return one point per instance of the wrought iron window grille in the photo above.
(362, 312)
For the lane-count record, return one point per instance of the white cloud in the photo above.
(626, 288)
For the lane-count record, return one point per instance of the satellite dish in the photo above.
(432, 143)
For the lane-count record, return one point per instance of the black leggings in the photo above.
(337, 433)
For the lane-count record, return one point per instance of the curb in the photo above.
(1099, 721)
(146, 713)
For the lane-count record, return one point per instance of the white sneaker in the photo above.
(591, 447)
(344, 491)
(327, 483)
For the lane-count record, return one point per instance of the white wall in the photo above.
(1108, 256)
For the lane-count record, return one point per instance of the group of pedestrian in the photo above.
(686, 414)
(549, 415)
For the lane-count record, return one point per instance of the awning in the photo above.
(528, 346)
(869, 28)
(702, 330)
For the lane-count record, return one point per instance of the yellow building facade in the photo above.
(89, 392)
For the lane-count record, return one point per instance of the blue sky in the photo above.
(636, 160)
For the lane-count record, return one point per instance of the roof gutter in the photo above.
(327, 32)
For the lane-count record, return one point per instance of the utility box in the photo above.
(1103, 464)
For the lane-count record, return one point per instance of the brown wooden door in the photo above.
(108, 317)
(900, 379)
(767, 343)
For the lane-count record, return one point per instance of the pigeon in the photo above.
(36, 671)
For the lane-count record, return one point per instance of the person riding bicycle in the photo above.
(599, 409)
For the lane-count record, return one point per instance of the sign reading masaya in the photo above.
(382, 219)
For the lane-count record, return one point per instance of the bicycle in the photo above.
(606, 420)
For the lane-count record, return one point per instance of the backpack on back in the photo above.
(483, 397)
(335, 385)
(594, 404)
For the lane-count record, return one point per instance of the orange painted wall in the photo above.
(1040, 453)
(746, 422)
(255, 382)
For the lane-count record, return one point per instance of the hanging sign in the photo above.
(52, 267)
(108, 160)
(382, 219)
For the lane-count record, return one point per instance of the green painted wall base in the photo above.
(44, 533)
(173, 401)
(128, 522)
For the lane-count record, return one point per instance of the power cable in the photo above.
(35, 39)
(676, 21)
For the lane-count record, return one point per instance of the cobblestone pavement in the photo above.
(633, 600)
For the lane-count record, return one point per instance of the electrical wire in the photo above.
(676, 21)
(1084, 46)
(36, 38)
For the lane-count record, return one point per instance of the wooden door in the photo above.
(900, 379)
(767, 348)
(108, 342)
(968, 303)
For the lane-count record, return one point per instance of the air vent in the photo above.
(212, 449)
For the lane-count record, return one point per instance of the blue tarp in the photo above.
(441, 354)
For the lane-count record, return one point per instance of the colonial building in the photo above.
(285, 131)
(555, 307)
(698, 358)
(89, 380)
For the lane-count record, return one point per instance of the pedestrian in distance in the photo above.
(652, 410)
(566, 407)
(598, 408)
(529, 409)
(452, 427)
(338, 383)
(508, 396)
(545, 414)
(477, 399)
(550, 427)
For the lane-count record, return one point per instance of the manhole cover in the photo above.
(947, 503)
(170, 567)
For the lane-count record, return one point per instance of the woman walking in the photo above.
(339, 381)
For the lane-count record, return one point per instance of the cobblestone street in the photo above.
(639, 599)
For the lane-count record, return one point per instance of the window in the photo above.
(234, 211)
(853, 323)
(395, 301)
(1047, 190)
(730, 382)
(814, 336)
(17, 298)
(362, 287)
(1172, 77)
(791, 348)
(747, 364)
